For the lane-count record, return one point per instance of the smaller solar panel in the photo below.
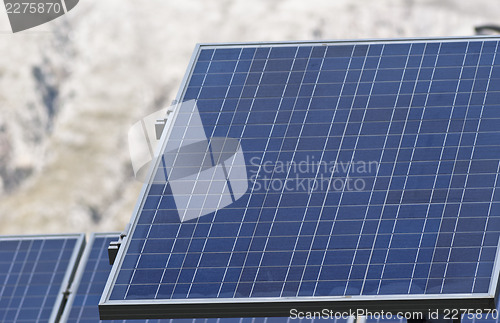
(34, 273)
(90, 278)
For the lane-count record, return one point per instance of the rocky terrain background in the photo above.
(70, 89)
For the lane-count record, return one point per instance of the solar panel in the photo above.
(303, 175)
(89, 281)
(87, 287)
(34, 272)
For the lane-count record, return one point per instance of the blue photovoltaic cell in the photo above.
(93, 273)
(32, 274)
(372, 170)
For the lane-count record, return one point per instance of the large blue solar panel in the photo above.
(34, 272)
(358, 174)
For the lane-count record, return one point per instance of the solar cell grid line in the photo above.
(472, 153)
(392, 172)
(466, 176)
(309, 200)
(323, 204)
(266, 195)
(286, 176)
(371, 193)
(456, 156)
(234, 243)
(468, 170)
(454, 166)
(441, 154)
(421, 232)
(210, 228)
(272, 176)
(239, 229)
(34, 272)
(406, 178)
(343, 189)
(264, 67)
(372, 188)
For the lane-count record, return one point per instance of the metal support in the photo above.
(160, 123)
(487, 29)
(114, 246)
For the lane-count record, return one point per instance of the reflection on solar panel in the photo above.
(91, 277)
(361, 175)
(34, 272)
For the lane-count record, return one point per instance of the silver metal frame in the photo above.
(342, 42)
(70, 271)
(73, 288)
(239, 307)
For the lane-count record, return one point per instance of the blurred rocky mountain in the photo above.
(70, 89)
